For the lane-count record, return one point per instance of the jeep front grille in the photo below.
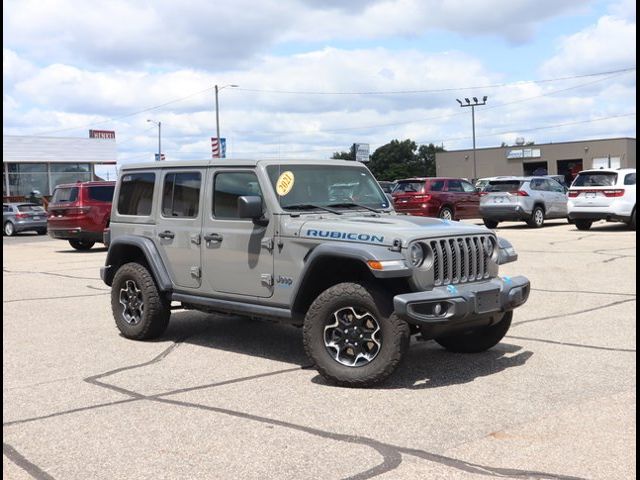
(461, 259)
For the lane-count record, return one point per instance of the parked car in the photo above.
(387, 187)
(604, 194)
(358, 279)
(79, 213)
(530, 199)
(446, 198)
(23, 217)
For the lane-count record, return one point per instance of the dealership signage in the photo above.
(107, 134)
(523, 153)
(362, 152)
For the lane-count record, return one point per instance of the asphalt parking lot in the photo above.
(223, 397)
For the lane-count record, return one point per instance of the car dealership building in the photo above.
(564, 158)
(40, 163)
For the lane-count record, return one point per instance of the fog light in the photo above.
(437, 310)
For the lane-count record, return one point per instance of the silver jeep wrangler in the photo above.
(312, 243)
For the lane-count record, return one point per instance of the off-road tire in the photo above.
(478, 340)
(394, 334)
(583, 224)
(82, 245)
(490, 223)
(157, 308)
(8, 229)
(446, 214)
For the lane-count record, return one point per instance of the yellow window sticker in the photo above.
(285, 183)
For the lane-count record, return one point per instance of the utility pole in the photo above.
(217, 89)
(473, 106)
(159, 124)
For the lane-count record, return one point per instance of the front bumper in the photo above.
(446, 309)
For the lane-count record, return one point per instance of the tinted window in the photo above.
(181, 194)
(409, 187)
(65, 195)
(503, 186)
(630, 179)
(596, 179)
(101, 194)
(228, 187)
(437, 186)
(136, 194)
(455, 186)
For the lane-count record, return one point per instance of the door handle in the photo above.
(166, 234)
(213, 237)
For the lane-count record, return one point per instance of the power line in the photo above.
(439, 90)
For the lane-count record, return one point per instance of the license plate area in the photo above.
(591, 195)
(488, 301)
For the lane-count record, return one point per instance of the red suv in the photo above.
(446, 198)
(79, 212)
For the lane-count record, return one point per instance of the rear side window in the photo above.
(136, 194)
(596, 179)
(6, 208)
(228, 187)
(65, 195)
(455, 186)
(503, 186)
(436, 186)
(630, 179)
(101, 193)
(181, 195)
(409, 187)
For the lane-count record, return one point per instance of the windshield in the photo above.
(596, 179)
(325, 185)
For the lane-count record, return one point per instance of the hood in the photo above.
(381, 230)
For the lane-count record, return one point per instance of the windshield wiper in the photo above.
(310, 206)
(357, 205)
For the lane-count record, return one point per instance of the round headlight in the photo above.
(416, 255)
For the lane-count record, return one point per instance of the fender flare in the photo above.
(150, 253)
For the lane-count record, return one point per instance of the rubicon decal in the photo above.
(354, 237)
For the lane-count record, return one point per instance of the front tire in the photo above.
(537, 218)
(82, 245)
(583, 224)
(492, 224)
(9, 230)
(352, 335)
(479, 340)
(141, 312)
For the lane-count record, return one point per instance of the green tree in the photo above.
(350, 155)
(402, 159)
(427, 158)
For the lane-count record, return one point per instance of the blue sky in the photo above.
(69, 66)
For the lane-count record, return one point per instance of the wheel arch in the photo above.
(141, 250)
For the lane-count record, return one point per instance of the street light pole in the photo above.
(159, 124)
(217, 89)
(473, 106)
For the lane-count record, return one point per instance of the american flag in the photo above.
(161, 157)
(215, 151)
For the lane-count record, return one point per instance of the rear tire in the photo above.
(141, 312)
(335, 346)
(537, 217)
(82, 245)
(446, 214)
(490, 223)
(476, 341)
(42, 231)
(632, 221)
(583, 224)
(9, 230)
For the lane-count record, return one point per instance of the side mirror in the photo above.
(250, 207)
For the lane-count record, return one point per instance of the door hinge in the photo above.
(266, 279)
(196, 272)
(267, 243)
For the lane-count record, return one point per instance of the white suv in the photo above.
(604, 194)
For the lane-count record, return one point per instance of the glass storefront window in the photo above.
(26, 177)
(69, 173)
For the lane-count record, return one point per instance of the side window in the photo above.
(437, 186)
(228, 186)
(554, 186)
(630, 179)
(136, 194)
(537, 184)
(468, 188)
(455, 186)
(101, 193)
(6, 208)
(181, 195)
